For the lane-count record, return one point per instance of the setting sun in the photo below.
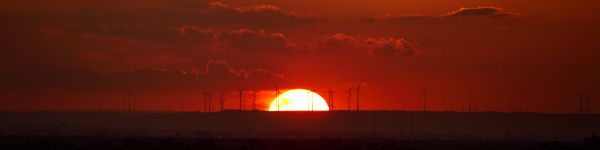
(299, 100)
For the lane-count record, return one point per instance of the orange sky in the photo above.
(534, 55)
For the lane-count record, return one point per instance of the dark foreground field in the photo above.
(345, 130)
(171, 143)
(305, 125)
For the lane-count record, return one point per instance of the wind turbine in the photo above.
(357, 97)
(254, 100)
(425, 95)
(209, 94)
(240, 93)
(129, 102)
(101, 99)
(123, 102)
(330, 97)
(587, 106)
(307, 100)
(312, 102)
(134, 103)
(181, 105)
(583, 102)
(470, 96)
(509, 105)
(222, 100)
(276, 90)
(205, 100)
(349, 97)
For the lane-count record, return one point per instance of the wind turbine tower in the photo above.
(222, 98)
(330, 97)
(312, 102)
(587, 107)
(123, 103)
(509, 105)
(583, 102)
(181, 105)
(101, 103)
(307, 100)
(349, 97)
(277, 97)
(254, 100)
(425, 94)
(470, 96)
(357, 97)
(130, 103)
(134, 102)
(205, 100)
(209, 94)
(240, 93)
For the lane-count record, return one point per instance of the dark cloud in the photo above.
(190, 34)
(253, 41)
(126, 31)
(149, 22)
(484, 11)
(374, 46)
(393, 18)
(391, 46)
(254, 16)
(217, 74)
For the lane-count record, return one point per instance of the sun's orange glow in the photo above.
(299, 100)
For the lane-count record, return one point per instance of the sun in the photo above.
(299, 100)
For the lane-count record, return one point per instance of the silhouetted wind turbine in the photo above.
(254, 100)
(222, 98)
(425, 94)
(357, 97)
(583, 102)
(307, 100)
(349, 97)
(509, 105)
(276, 90)
(101, 99)
(240, 93)
(470, 96)
(330, 97)
(312, 102)
(123, 103)
(134, 105)
(129, 102)
(205, 100)
(581, 95)
(209, 94)
(170, 108)
(587, 106)
(181, 104)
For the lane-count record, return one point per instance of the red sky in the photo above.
(534, 55)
